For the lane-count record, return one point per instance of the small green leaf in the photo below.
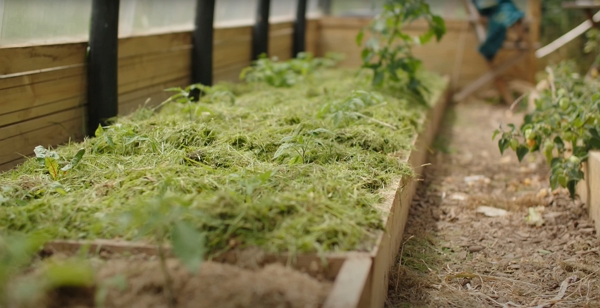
(496, 132)
(571, 186)
(188, 245)
(99, 131)
(359, 37)
(521, 152)
(74, 161)
(503, 144)
(52, 167)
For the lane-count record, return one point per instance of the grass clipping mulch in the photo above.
(284, 169)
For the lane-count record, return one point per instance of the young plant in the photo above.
(564, 126)
(349, 110)
(388, 51)
(297, 145)
(163, 219)
(287, 73)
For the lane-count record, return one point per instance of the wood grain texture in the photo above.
(14, 60)
(350, 283)
(38, 94)
(16, 147)
(150, 44)
(39, 123)
(593, 179)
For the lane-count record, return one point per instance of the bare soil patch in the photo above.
(455, 255)
(137, 281)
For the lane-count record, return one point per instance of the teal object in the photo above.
(502, 14)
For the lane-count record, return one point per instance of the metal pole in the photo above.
(202, 40)
(102, 63)
(260, 32)
(300, 29)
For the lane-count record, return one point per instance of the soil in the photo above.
(453, 256)
(138, 281)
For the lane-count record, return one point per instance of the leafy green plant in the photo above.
(287, 73)
(564, 126)
(297, 145)
(388, 51)
(348, 110)
(52, 161)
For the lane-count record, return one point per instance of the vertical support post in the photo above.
(300, 29)
(102, 63)
(260, 32)
(202, 40)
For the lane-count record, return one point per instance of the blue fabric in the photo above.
(502, 14)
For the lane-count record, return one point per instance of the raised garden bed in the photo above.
(317, 176)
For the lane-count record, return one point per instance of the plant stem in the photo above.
(171, 301)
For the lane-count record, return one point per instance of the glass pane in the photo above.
(355, 7)
(282, 9)
(235, 12)
(313, 8)
(43, 21)
(145, 16)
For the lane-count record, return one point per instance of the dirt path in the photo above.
(453, 256)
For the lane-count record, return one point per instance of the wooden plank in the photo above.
(230, 73)
(10, 165)
(230, 54)
(313, 37)
(23, 80)
(15, 60)
(40, 111)
(232, 34)
(39, 123)
(154, 92)
(593, 179)
(349, 283)
(28, 96)
(150, 44)
(149, 70)
(22, 145)
(387, 248)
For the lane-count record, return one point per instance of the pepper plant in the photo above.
(564, 126)
(388, 51)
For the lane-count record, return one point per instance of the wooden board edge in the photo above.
(350, 283)
(385, 253)
(592, 182)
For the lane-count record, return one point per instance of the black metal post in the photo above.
(202, 40)
(300, 29)
(260, 33)
(102, 63)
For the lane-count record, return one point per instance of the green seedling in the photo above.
(163, 219)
